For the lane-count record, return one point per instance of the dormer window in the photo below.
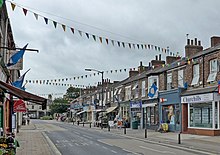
(213, 70)
(195, 80)
(169, 81)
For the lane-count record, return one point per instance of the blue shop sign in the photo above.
(135, 104)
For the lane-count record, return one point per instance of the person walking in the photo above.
(28, 120)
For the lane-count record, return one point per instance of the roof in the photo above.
(26, 96)
(200, 91)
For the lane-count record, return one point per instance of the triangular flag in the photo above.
(145, 46)
(134, 46)
(94, 37)
(113, 42)
(13, 6)
(118, 43)
(106, 39)
(19, 82)
(25, 11)
(46, 20)
(123, 44)
(138, 46)
(142, 46)
(17, 56)
(64, 27)
(36, 16)
(55, 24)
(80, 33)
(100, 38)
(72, 29)
(87, 35)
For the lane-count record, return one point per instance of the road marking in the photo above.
(130, 151)
(114, 151)
(76, 144)
(97, 144)
(165, 152)
(77, 133)
(70, 144)
(105, 142)
(87, 136)
(104, 147)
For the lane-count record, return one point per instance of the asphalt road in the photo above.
(76, 140)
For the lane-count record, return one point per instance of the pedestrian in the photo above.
(28, 120)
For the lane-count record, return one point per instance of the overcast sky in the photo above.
(66, 55)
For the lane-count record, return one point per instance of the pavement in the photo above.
(34, 141)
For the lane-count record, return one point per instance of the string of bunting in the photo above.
(97, 38)
(58, 80)
(53, 94)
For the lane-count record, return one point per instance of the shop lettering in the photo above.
(192, 99)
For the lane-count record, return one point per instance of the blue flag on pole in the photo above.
(19, 82)
(152, 90)
(17, 56)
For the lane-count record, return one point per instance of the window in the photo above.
(32, 106)
(201, 115)
(195, 80)
(40, 107)
(143, 92)
(213, 70)
(169, 81)
(127, 93)
(180, 78)
(153, 80)
(135, 89)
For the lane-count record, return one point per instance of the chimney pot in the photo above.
(191, 42)
(199, 43)
(188, 41)
(159, 56)
(156, 57)
(195, 41)
(141, 63)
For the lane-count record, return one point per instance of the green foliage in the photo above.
(58, 108)
(60, 100)
(72, 92)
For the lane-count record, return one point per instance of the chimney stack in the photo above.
(215, 40)
(192, 49)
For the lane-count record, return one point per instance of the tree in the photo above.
(73, 92)
(58, 108)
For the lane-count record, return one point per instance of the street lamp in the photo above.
(101, 72)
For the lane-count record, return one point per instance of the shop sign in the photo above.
(135, 104)
(197, 98)
(19, 106)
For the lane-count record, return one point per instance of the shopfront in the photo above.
(150, 113)
(135, 108)
(170, 109)
(124, 111)
(203, 114)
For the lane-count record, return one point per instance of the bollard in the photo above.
(90, 125)
(73, 122)
(145, 133)
(179, 140)
(101, 126)
(83, 124)
(78, 122)
(125, 130)
(108, 127)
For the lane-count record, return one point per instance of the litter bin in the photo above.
(135, 125)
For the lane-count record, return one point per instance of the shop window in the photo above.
(195, 79)
(168, 115)
(201, 115)
(169, 81)
(180, 78)
(213, 70)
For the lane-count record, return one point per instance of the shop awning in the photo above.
(110, 109)
(80, 112)
(21, 94)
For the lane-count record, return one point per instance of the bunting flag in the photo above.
(17, 56)
(12, 5)
(19, 82)
(107, 39)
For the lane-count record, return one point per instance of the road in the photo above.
(76, 140)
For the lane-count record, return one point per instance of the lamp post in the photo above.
(101, 72)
